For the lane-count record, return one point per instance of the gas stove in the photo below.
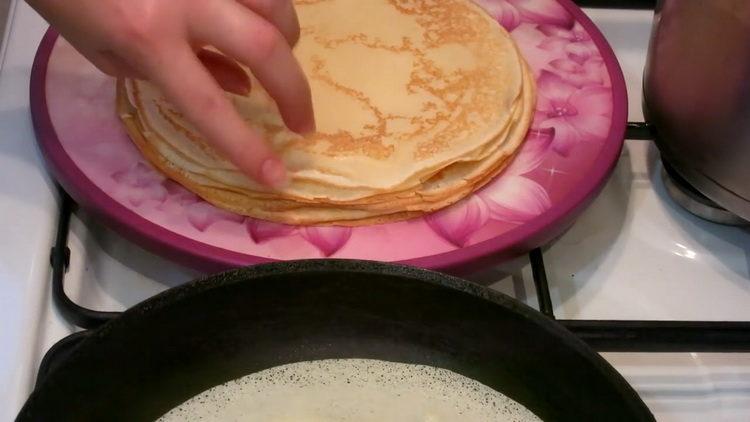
(634, 255)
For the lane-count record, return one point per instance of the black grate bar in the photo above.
(60, 260)
(539, 273)
(601, 335)
(645, 336)
(662, 336)
(617, 4)
(639, 131)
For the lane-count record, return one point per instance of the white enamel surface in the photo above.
(27, 212)
(632, 254)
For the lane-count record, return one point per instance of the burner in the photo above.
(684, 194)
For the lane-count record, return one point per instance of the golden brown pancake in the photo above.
(418, 104)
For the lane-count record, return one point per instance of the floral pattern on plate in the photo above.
(573, 119)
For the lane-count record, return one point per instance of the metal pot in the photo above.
(697, 95)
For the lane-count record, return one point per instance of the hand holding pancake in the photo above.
(418, 104)
(163, 41)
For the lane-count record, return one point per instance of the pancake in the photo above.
(418, 104)
(314, 191)
(447, 187)
(344, 390)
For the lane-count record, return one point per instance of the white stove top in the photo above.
(632, 255)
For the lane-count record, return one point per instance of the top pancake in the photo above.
(401, 90)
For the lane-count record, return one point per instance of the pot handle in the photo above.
(60, 261)
(71, 311)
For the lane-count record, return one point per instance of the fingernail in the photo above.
(273, 173)
(302, 126)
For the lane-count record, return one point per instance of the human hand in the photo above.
(163, 40)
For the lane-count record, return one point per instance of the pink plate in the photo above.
(575, 141)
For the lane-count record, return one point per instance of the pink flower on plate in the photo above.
(504, 13)
(510, 197)
(261, 231)
(141, 183)
(575, 43)
(327, 239)
(511, 13)
(178, 194)
(513, 197)
(108, 155)
(460, 221)
(549, 12)
(138, 176)
(203, 215)
(200, 214)
(575, 114)
(591, 72)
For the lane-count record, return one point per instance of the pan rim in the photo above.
(257, 273)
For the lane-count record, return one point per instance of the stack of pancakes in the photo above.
(418, 103)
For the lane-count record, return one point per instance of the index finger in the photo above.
(281, 13)
(198, 96)
(246, 36)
